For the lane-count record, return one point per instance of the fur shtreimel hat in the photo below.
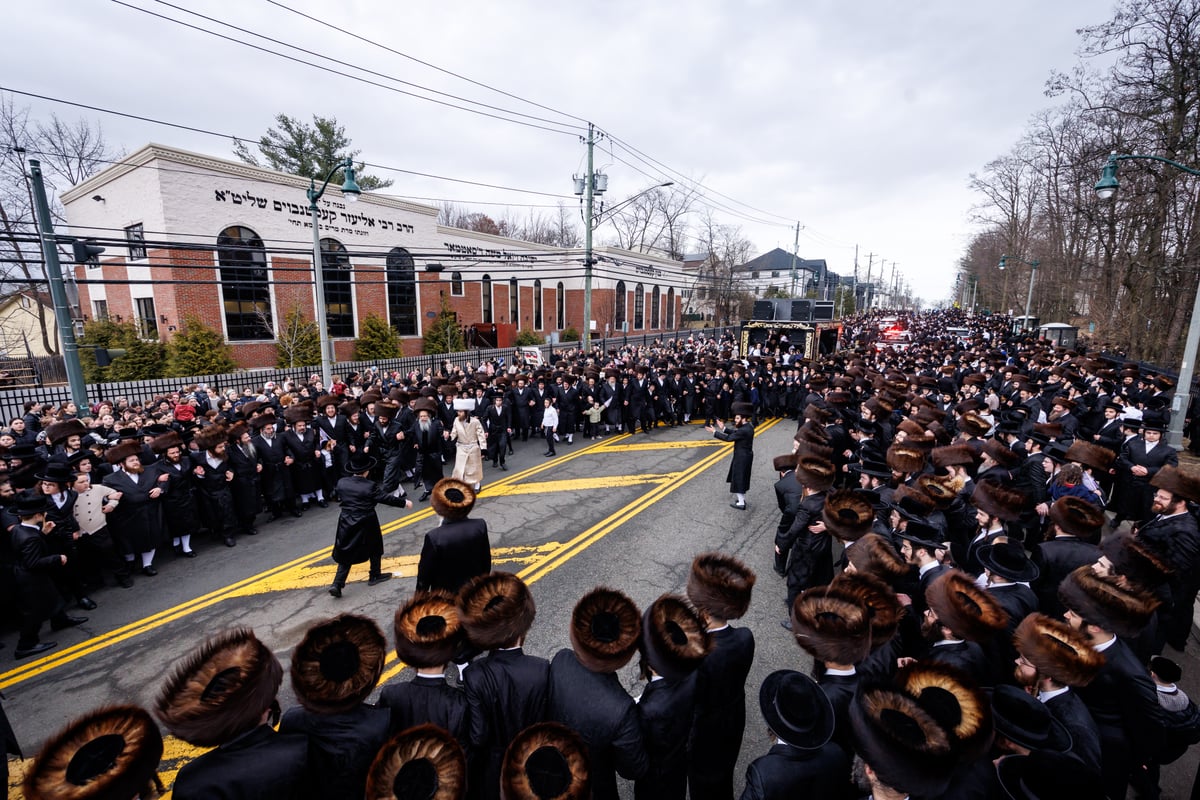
(994, 500)
(1090, 455)
(59, 432)
(831, 625)
(1179, 481)
(955, 454)
(109, 753)
(427, 630)
(934, 487)
(674, 639)
(906, 747)
(1103, 603)
(968, 611)
(161, 444)
(873, 555)
(546, 761)
(720, 585)
(1002, 454)
(423, 762)
(884, 611)
(220, 690)
(118, 454)
(784, 463)
(812, 450)
(974, 425)
(913, 502)
(817, 474)
(605, 629)
(955, 700)
(337, 664)
(1075, 516)
(1057, 650)
(298, 412)
(452, 499)
(848, 515)
(902, 458)
(209, 437)
(1137, 562)
(496, 610)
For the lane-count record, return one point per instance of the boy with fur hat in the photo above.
(586, 695)
(719, 586)
(458, 549)
(507, 690)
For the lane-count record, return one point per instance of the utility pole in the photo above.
(795, 251)
(893, 282)
(588, 188)
(867, 293)
(58, 292)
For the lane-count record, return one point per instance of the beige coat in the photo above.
(470, 440)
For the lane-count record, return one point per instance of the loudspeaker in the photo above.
(822, 311)
(764, 309)
(801, 311)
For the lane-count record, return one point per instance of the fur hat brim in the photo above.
(1131, 557)
(831, 625)
(496, 610)
(955, 700)
(1075, 516)
(424, 761)
(720, 585)
(605, 629)
(109, 752)
(1178, 481)
(59, 432)
(996, 501)
(1102, 602)
(427, 630)
(905, 459)
(161, 444)
(873, 555)
(848, 515)
(118, 453)
(452, 499)
(220, 690)
(674, 639)
(337, 664)
(209, 437)
(1090, 455)
(1001, 454)
(951, 455)
(964, 608)
(1057, 650)
(817, 474)
(883, 607)
(905, 746)
(545, 760)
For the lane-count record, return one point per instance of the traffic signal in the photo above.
(105, 357)
(87, 252)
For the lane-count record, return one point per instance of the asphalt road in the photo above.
(628, 512)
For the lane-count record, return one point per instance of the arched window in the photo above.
(618, 308)
(485, 287)
(639, 307)
(537, 305)
(671, 309)
(514, 311)
(245, 290)
(560, 306)
(402, 292)
(655, 304)
(339, 291)
(456, 284)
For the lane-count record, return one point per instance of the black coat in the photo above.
(840, 690)
(597, 707)
(507, 692)
(359, 537)
(341, 747)
(720, 719)
(742, 464)
(454, 553)
(136, 521)
(428, 699)
(275, 477)
(37, 569)
(1056, 559)
(1068, 709)
(789, 494)
(967, 656)
(665, 711)
(1135, 490)
(214, 498)
(178, 504)
(811, 554)
(787, 772)
(306, 466)
(244, 486)
(258, 765)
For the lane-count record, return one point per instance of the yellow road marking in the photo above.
(633, 448)
(580, 484)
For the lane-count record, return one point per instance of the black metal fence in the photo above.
(12, 401)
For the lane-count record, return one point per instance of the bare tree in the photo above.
(655, 220)
(718, 278)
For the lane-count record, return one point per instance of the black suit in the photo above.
(665, 711)
(453, 554)
(967, 656)
(341, 746)
(428, 699)
(596, 706)
(257, 765)
(1136, 489)
(507, 692)
(1177, 540)
(789, 494)
(840, 690)
(1056, 559)
(787, 772)
(720, 718)
(1068, 709)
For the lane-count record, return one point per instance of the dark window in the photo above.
(100, 309)
(560, 306)
(245, 292)
(671, 309)
(456, 284)
(147, 321)
(485, 288)
(655, 303)
(339, 291)
(513, 303)
(137, 242)
(402, 292)
(639, 307)
(618, 307)
(537, 305)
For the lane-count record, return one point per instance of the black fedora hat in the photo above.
(796, 709)
(1046, 775)
(1026, 721)
(922, 534)
(30, 503)
(1008, 560)
(57, 472)
(360, 463)
(876, 469)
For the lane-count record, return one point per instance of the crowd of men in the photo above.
(986, 542)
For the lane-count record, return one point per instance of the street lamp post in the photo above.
(1106, 188)
(1033, 267)
(350, 192)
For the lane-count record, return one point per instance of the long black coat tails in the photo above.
(258, 765)
(428, 699)
(340, 746)
(596, 707)
(720, 718)
(742, 463)
(359, 537)
(453, 554)
(666, 709)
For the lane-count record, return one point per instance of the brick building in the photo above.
(188, 234)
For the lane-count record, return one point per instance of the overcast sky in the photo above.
(861, 121)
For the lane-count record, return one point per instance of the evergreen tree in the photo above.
(569, 335)
(198, 349)
(142, 360)
(525, 336)
(376, 340)
(298, 342)
(312, 151)
(444, 335)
